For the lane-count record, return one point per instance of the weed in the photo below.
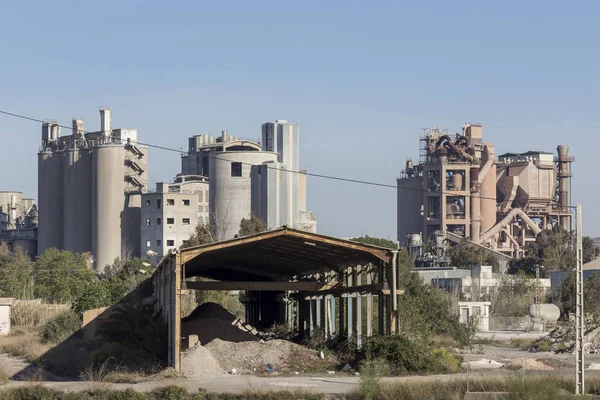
(4, 376)
(23, 343)
(60, 327)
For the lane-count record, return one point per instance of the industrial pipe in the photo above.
(515, 212)
(454, 148)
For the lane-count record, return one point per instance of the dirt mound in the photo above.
(210, 321)
(253, 357)
(211, 310)
(529, 364)
(198, 362)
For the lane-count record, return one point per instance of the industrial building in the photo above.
(252, 176)
(461, 189)
(169, 218)
(89, 190)
(18, 221)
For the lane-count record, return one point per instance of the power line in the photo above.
(322, 176)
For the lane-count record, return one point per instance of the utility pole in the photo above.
(579, 315)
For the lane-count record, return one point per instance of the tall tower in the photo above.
(283, 138)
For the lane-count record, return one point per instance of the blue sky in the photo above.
(361, 79)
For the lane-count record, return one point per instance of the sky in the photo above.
(360, 78)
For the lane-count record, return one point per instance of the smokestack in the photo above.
(105, 120)
(13, 210)
(224, 136)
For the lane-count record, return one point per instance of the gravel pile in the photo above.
(198, 362)
(253, 357)
(210, 321)
(529, 363)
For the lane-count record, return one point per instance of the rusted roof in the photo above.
(278, 254)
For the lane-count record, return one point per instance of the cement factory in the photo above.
(93, 194)
(461, 189)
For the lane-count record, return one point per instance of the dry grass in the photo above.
(4, 376)
(33, 313)
(23, 342)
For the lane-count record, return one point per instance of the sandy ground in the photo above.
(329, 384)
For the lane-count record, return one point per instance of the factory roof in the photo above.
(528, 153)
(278, 254)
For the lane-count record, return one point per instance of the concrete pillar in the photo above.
(357, 281)
(369, 304)
(350, 317)
(381, 300)
(332, 318)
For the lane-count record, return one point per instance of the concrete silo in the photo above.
(77, 200)
(50, 200)
(410, 203)
(230, 187)
(108, 185)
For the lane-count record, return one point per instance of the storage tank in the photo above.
(77, 196)
(50, 200)
(230, 188)
(547, 312)
(410, 203)
(108, 186)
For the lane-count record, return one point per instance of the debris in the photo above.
(233, 371)
(331, 372)
(246, 356)
(483, 364)
(357, 373)
(529, 364)
(594, 366)
(270, 367)
(322, 355)
(295, 372)
(346, 368)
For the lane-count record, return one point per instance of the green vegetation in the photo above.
(551, 249)
(589, 251)
(15, 273)
(387, 243)
(133, 338)
(60, 327)
(564, 296)
(465, 255)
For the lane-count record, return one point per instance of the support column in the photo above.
(380, 301)
(332, 320)
(393, 304)
(341, 327)
(369, 304)
(350, 302)
(358, 281)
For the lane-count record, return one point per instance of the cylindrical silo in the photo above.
(488, 191)
(77, 200)
(230, 186)
(50, 200)
(409, 203)
(108, 186)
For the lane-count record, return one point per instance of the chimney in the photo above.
(224, 136)
(105, 121)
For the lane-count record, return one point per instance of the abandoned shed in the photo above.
(292, 277)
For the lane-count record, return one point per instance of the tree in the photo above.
(552, 249)
(203, 235)
(466, 255)
(251, 226)
(390, 244)
(589, 251)
(15, 273)
(61, 276)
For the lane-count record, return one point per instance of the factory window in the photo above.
(158, 221)
(236, 169)
(148, 203)
(186, 202)
(158, 242)
(185, 221)
(157, 203)
(170, 243)
(147, 221)
(170, 221)
(147, 243)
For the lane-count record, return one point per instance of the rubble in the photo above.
(529, 364)
(198, 362)
(210, 321)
